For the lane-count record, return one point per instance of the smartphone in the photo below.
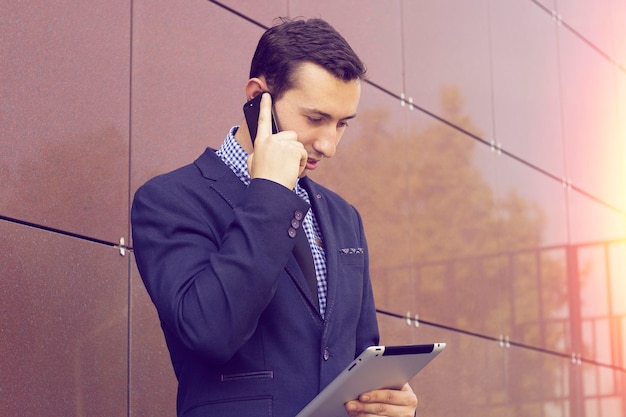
(251, 111)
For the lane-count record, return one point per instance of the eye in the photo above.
(342, 124)
(314, 120)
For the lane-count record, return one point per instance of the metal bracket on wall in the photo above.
(410, 320)
(122, 247)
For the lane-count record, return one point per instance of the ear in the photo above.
(255, 86)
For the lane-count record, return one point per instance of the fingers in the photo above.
(277, 157)
(384, 403)
(264, 126)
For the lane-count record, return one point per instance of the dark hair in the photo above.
(285, 46)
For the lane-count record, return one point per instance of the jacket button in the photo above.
(326, 354)
(291, 232)
(295, 223)
(298, 215)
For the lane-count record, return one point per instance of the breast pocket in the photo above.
(352, 256)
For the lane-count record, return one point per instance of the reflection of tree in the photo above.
(438, 234)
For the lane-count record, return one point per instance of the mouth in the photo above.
(312, 163)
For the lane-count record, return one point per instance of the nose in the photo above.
(326, 142)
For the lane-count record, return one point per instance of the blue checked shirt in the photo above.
(235, 157)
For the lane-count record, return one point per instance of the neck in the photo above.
(243, 137)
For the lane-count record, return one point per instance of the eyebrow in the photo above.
(326, 115)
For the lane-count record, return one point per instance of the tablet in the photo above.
(377, 367)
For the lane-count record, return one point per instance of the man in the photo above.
(216, 246)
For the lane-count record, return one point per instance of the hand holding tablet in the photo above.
(378, 367)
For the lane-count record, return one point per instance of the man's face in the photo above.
(318, 109)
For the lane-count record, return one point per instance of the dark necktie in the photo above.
(302, 252)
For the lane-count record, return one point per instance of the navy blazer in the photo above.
(244, 333)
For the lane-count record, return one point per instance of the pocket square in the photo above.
(351, 251)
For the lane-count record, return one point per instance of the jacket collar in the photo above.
(225, 182)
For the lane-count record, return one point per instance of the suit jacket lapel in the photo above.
(320, 208)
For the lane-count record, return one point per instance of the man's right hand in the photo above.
(277, 157)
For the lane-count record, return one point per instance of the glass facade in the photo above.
(488, 162)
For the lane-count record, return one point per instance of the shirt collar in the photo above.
(234, 156)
